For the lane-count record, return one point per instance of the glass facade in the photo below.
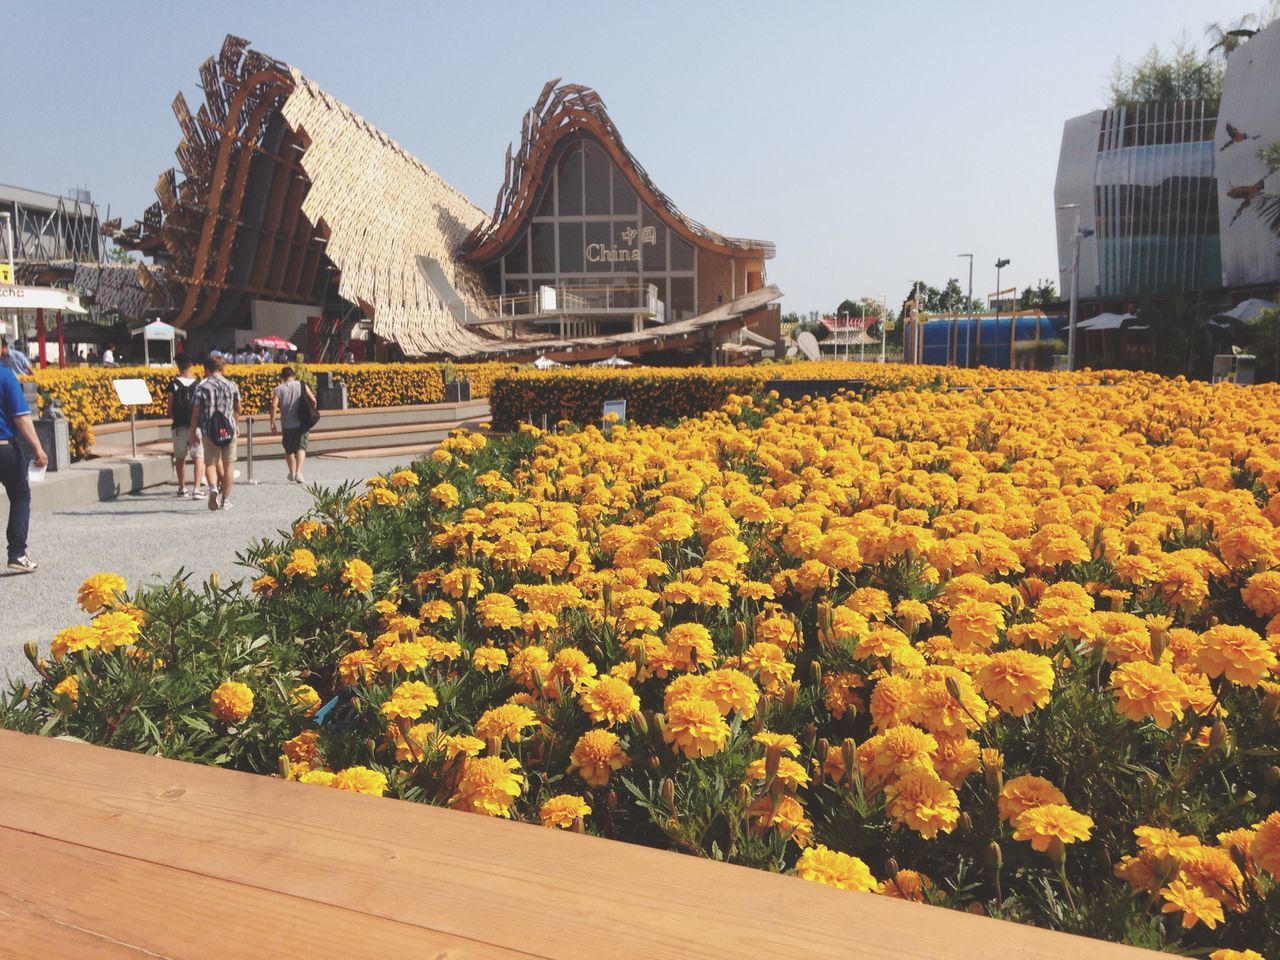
(1156, 199)
(590, 230)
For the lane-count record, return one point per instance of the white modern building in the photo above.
(1169, 189)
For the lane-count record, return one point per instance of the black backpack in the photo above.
(221, 429)
(183, 400)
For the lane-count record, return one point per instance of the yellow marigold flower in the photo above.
(356, 667)
(404, 479)
(1236, 651)
(785, 742)
(100, 590)
(690, 645)
(609, 701)
(115, 629)
(304, 748)
(304, 697)
(232, 701)
(1017, 681)
(1024, 793)
(957, 757)
(402, 656)
(1265, 848)
(596, 756)
(821, 864)
(571, 669)
(1163, 843)
(731, 689)
(912, 614)
(1051, 824)
(923, 802)
(360, 780)
(1194, 905)
(899, 750)
(489, 658)
(358, 575)
(497, 610)
(488, 785)
(1149, 690)
(69, 688)
(507, 722)
(1226, 954)
(562, 810)
(409, 701)
(528, 665)
(73, 639)
(695, 728)
(789, 818)
(789, 772)
(302, 562)
(317, 778)
(462, 744)
(433, 611)
(415, 743)
(1261, 593)
(974, 624)
(265, 585)
(906, 885)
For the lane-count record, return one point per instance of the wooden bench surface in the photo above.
(111, 854)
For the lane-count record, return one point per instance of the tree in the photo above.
(1186, 74)
(120, 255)
(1038, 297)
(1226, 40)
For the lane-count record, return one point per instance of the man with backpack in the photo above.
(181, 391)
(214, 411)
(295, 404)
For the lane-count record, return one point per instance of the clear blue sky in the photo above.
(871, 141)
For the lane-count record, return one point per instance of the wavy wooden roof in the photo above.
(560, 111)
(287, 194)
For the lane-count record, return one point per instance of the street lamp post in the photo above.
(1000, 264)
(968, 307)
(8, 237)
(1076, 235)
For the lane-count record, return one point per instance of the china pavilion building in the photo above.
(292, 215)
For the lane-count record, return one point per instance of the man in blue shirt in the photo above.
(15, 358)
(15, 423)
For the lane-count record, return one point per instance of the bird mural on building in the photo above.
(1246, 195)
(1236, 136)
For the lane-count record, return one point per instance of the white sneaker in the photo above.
(213, 499)
(299, 479)
(226, 504)
(23, 564)
(291, 478)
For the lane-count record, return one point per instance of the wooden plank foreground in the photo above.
(110, 854)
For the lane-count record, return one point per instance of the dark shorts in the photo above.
(295, 439)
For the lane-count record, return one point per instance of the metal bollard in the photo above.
(250, 452)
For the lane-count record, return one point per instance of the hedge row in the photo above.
(88, 399)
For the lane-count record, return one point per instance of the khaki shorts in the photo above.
(184, 451)
(213, 453)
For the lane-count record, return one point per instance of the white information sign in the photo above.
(132, 393)
(615, 406)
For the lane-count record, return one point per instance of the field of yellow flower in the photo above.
(1013, 652)
(88, 398)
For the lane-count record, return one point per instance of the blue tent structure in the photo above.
(983, 341)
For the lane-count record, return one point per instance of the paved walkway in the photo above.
(146, 537)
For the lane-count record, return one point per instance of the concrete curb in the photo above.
(95, 481)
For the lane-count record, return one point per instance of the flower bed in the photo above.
(88, 399)
(1013, 653)
(664, 394)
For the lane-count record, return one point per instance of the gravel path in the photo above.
(146, 537)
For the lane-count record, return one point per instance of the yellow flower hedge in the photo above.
(1013, 652)
(663, 394)
(88, 399)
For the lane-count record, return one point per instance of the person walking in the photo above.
(215, 409)
(15, 423)
(181, 392)
(15, 358)
(286, 402)
(109, 356)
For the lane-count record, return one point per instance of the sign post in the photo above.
(132, 393)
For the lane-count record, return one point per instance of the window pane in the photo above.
(518, 258)
(624, 198)
(547, 206)
(626, 242)
(681, 306)
(597, 174)
(653, 243)
(681, 254)
(544, 247)
(569, 174)
(571, 248)
(598, 248)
